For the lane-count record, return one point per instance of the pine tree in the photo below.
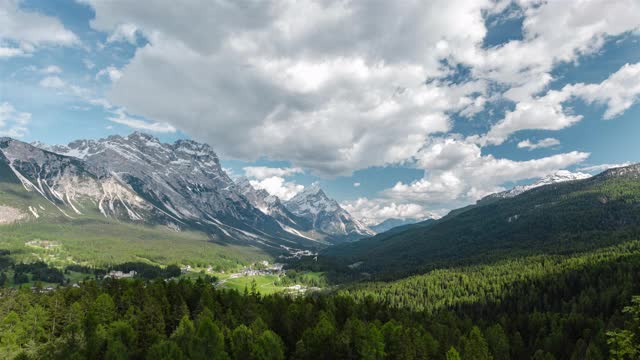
(452, 354)
(476, 346)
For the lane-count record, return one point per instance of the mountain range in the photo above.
(181, 185)
(139, 180)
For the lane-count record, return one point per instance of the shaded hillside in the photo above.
(556, 218)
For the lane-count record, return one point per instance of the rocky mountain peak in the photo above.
(312, 200)
(326, 214)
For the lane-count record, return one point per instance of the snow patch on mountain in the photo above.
(557, 177)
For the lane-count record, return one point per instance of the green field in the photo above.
(102, 243)
(265, 284)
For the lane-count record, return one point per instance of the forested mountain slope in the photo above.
(556, 218)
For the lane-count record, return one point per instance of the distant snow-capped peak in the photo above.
(557, 177)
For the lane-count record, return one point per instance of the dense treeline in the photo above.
(542, 275)
(40, 271)
(624, 342)
(148, 271)
(542, 308)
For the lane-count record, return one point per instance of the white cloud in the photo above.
(457, 172)
(356, 184)
(13, 123)
(111, 72)
(121, 117)
(544, 143)
(276, 185)
(53, 82)
(51, 69)
(374, 211)
(272, 179)
(23, 32)
(267, 80)
(373, 95)
(124, 32)
(618, 92)
(544, 113)
(602, 167)
(6, 52)
(263, 172)
(553, 32)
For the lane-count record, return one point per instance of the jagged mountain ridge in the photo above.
(273, 206)
(66, 184)
(186, 181)
(326, 215)
(311, 213)
(183, 185)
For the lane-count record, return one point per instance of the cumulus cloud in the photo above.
(266, 80)
(13, 123)
(618, 93)
(121, 117)
(51, 69)
(263, 172)
(53, 82)
(544, 143)
(23, 32)
(110, 72)
(553, 32)
(457, 171)
(374, 211)
(272, 179)
(278, 186)
(124, 32)
(544, 113)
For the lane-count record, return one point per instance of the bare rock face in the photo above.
(181, 185)
(10, 215)
(326, 216)
(66, 184)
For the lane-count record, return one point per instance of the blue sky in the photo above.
(397, 109)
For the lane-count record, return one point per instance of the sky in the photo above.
(402, 109)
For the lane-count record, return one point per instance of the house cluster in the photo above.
(113, 274)
(47, 289)
(270, 269)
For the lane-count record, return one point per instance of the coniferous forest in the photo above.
(551, 307)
